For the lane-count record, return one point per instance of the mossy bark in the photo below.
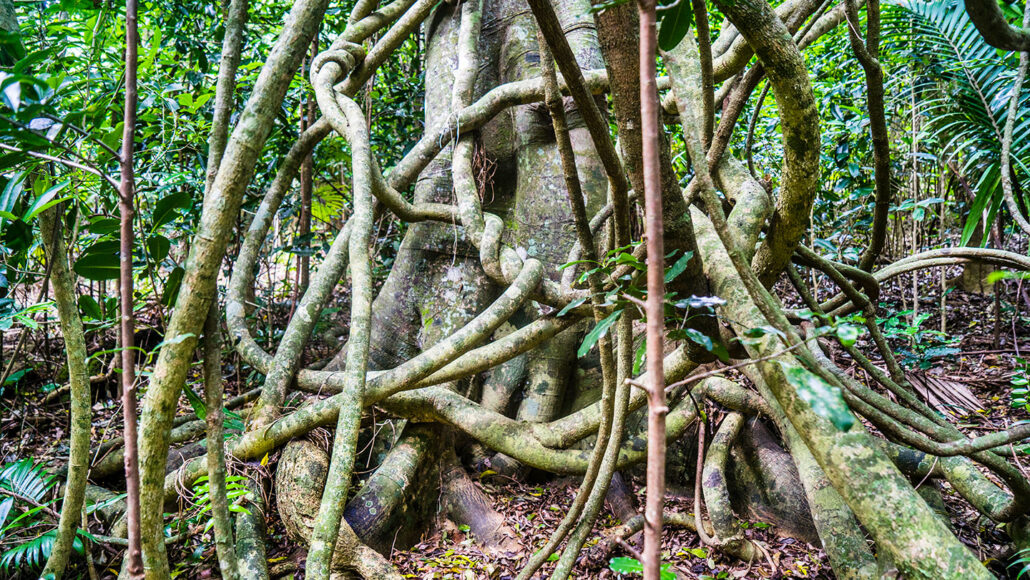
(63, 281)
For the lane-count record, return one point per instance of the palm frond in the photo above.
(964, 86)
(29, 555)
(27, 479)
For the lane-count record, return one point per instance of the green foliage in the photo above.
(674, 22)
(847, 330)
(1006, 275)
(596, 333)
(922, 345)
(964, 87)
(24, 487)
(11, 315)
(233, 422)
(236, 493)
(1021, 564)
(624, 565)
(628, 289)
(1020, 381)
(826, 400)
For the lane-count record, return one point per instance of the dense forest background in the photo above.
(468, 454)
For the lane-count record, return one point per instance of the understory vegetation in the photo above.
(514, 289)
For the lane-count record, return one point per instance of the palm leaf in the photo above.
(964, 86)
(31, 554)
(26, 479)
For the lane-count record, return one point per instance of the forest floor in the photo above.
(982, 357)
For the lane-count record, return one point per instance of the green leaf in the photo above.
(196, 402)
(158, 247)
(166, 209)
(172, 284)
(681, 264)
(98, 266)
(1006, 275)
(11, 91)
(103, 226)
(18, 236)
(31, 554)
(103, 247)
(175, 340)
(675, 24)
(90, 307)
(639, 357)
(626, 258)
(571, 306)
(720, 351)
(700, 338)
(27, 479)
(595, 335)
(754, 335)
(12, 192)
(624, 565)
(825, 399)
(848, 334)
(5, 509)
(46, 200)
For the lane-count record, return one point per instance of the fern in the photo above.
(26, 479)
(236, 492)
(964, 86)
(327, 203)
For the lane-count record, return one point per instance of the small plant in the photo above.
(626, 289)
(922, 345)
(624, 565)
(235, 492)
(1020, 380)
(24, 487)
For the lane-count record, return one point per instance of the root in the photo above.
(397, 501)
(466, 504)
(766, 486)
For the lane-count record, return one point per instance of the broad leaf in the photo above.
(680, 265)
(89, 307)
(825, 399)
(172, 283)
(158, 247)
(98, 266)
(166, 209)
(595, 335)
(45, 201)
(675, 24)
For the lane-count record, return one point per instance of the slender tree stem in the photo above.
(655, 310)
(225, 89)
(868, 54)
(78, 377)
(126, 195)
